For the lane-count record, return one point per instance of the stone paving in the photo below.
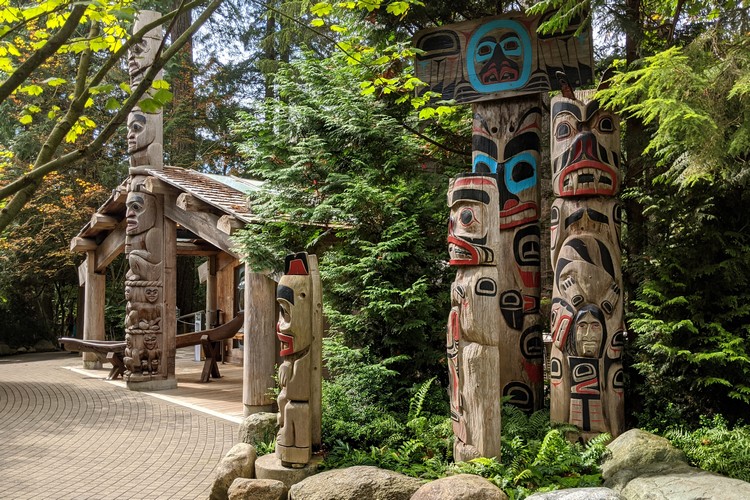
(67, 436)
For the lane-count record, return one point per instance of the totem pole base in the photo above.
(269, 467)
(143, 384)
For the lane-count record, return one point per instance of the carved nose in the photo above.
(584, 144)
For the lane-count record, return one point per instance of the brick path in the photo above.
(66, 436)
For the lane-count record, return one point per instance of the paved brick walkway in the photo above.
(66, 436)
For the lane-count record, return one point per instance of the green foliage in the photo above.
(536, 458)
(716, 447)
(343, 180)
(363, 423)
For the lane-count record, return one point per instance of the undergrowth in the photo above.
(715, 447)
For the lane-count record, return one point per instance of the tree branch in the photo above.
(45, 52)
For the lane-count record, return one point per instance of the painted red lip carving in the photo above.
(587, 177)
(493, 74)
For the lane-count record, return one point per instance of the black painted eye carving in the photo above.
(467, 217)
(562, 131)
(606, 125)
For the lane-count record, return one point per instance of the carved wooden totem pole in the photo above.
(474, 321)
(587, 304)
(300, 329)
(145, 232)
(500, 65)
(506, 141)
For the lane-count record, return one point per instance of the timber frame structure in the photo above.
(204, 210)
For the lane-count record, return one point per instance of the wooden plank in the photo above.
(500, 57)
(102, 222)
(202, 224)
(191, 203)
(78, 244)
(93, 324)
(83, 272)
(229, 224)
(195, 249)
(169, 319)
(112, 246)
(158, 186)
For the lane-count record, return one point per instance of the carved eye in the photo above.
(136, 127)
(606, 125)
(485, 50)
(511, 46)
(562, 131)
(135, 206)
(467, 217)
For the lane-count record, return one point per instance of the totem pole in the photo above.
(300, 329)
(144, 233)
(474, 321)
(501, 66)
(587, 305)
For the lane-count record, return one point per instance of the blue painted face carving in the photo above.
(499, 56)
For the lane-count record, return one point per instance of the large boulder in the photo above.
(636, 449)
(578, 494)
(238, 462)
(257, 489)
(460, 487)
(258, 428)
(642, 466)
(685, 483)
(5, 350)
(356, 483)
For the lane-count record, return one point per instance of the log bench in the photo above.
(211, 340)
(112, 351)
(106, 350)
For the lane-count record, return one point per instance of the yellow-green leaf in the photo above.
(31, 89)
(112, 104)
(160, 84)
(125, 87)
(338, 29)
(54, 81)
(163, 96)
(397, 8)
(12, 50)
(321, 9)
(317, 23)
(26, 119)
(89, 103)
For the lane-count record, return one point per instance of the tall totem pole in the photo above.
(587, 305)
(501, 66)
(148, 315)
(300, 331)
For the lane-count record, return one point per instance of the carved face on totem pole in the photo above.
(589, 332)
(150, 341)
(585, 149)
(152, 294)
(294, 296)
(499, 56)
(142, 130)
(473, 202)
(511, 150)
(141, 54)
(140, 213)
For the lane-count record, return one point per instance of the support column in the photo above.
(93, 322)
(258, 368)
(212, 319)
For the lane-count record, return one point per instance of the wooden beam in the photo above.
(158, 186)
(83, 272)
(191, 203)
(229, 224)
(112, 246)
(200, 223)
(258, 367)
(78, 244)
(101, 222)
(185, 248)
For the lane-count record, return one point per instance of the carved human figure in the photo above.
(152, 357)
(473, 325)
(132, 356)
(587, 316)
(506, 140)
(143, 245)
(145, 130)
(296, 331)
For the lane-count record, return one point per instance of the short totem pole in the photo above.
(474, 321)
(299, 329)
(145, 358)
(587, 305)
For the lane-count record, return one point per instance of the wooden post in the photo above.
(587, 320)
(93, 323)
(260, 342)
(506, 140)
(212, 320)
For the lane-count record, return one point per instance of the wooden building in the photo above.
(205, 210)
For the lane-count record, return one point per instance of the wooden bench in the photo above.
(211, 342)
(106, 350)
